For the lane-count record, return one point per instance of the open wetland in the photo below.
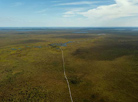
(101, 65)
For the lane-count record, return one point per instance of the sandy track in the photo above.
(66, 75)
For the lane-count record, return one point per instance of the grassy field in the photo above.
(100, 67)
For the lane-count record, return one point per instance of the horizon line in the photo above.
(74, 27)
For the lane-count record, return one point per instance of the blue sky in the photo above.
(68, 13)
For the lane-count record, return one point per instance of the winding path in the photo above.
(66, 75)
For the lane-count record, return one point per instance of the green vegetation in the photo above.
(100, 68)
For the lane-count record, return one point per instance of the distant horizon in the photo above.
(73, 27)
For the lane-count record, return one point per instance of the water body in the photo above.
(13, 49)
(80, 32)
(61, 44)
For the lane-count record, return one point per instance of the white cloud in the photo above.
(73, 12)
(122, 8)
(78, 3)
(69, 14)
(110, 15)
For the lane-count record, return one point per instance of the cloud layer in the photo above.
(122, 8)
(122, 13)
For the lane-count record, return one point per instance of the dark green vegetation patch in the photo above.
(109, 49)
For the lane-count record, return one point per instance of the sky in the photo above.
(68, 13)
